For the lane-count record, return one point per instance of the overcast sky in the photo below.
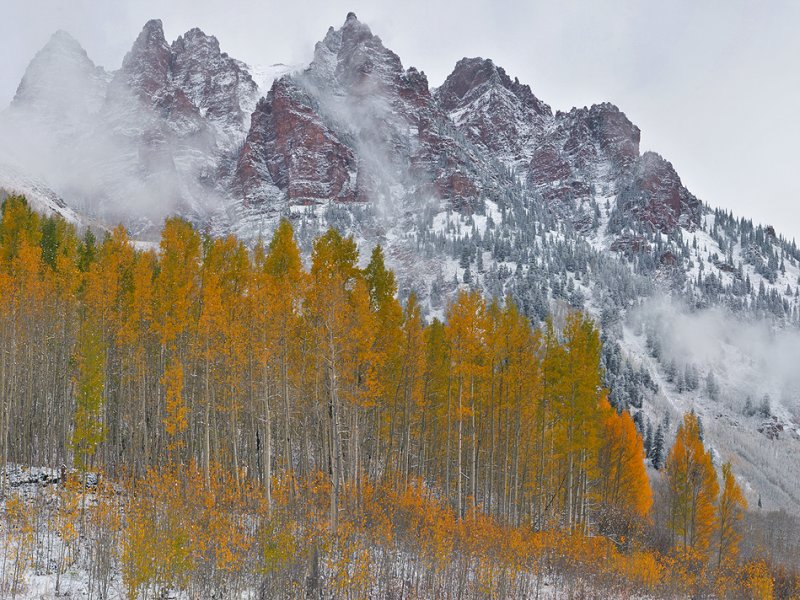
(714, 86)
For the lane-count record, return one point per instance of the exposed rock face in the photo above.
(491, 110)
(178, 129)
(366, 128)
(586, 152)
(217, 85)
(567, 158)
(146, 67)
(630, 243)
(190, 86)
(656, 196)
(771, 428)
(177, 115)
(289, 145)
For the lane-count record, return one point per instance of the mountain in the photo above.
(475, 183)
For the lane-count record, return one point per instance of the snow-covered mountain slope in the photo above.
(476, 183)
(39, 196)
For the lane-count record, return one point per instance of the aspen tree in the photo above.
(436, 425)
(333, 279)
(693, 489)
(413, 367)
(730, 512)
(88, 430)
(284, 291)
(466, 336)
(578, 434)
(211, 328)
(383, 362)
(625, 496)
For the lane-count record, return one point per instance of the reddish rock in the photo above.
(772, 428)
(219, 86)
(459, 189)
(145, 68)
(668, 259)
(586, 151)
(492, 110)
(289, 144)
(356, 126)
(657, 197)
(630, 243)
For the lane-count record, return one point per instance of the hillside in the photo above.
(476, 184)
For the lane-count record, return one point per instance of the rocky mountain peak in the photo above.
(152, 35)
(219, 86)
(473, 77)
(196, 38)
(357, 126)
(353, 57)
(494, 111)
(145, 68)
(63, 41)
(290, 145)
(61, 77)
(615, 132)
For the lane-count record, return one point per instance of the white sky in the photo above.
(714, 85)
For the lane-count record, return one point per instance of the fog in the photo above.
(83, 132)
(749, 358)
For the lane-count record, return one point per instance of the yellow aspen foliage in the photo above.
(624, 489)
(730, 513)
(89, 428)
(757, 581)
(299, 430)
(466, 338)
(177, 282)
(175, 421)
(18, 541)
(693, 490)
(140, 549)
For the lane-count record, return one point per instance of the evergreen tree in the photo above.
(657, 452)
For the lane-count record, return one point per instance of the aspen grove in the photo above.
(235, 422)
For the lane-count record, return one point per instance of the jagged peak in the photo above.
(62, 45)
(61, 64)
(63, 40)
(154, 26)
(151, 36)
(600, 108)
(146, 66)
(472, 73)
(604, 112)
(351, 52)
(351, 33)
(195, 38)
(197, 35)
(352, 23)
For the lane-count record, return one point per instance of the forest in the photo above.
(236, 422)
